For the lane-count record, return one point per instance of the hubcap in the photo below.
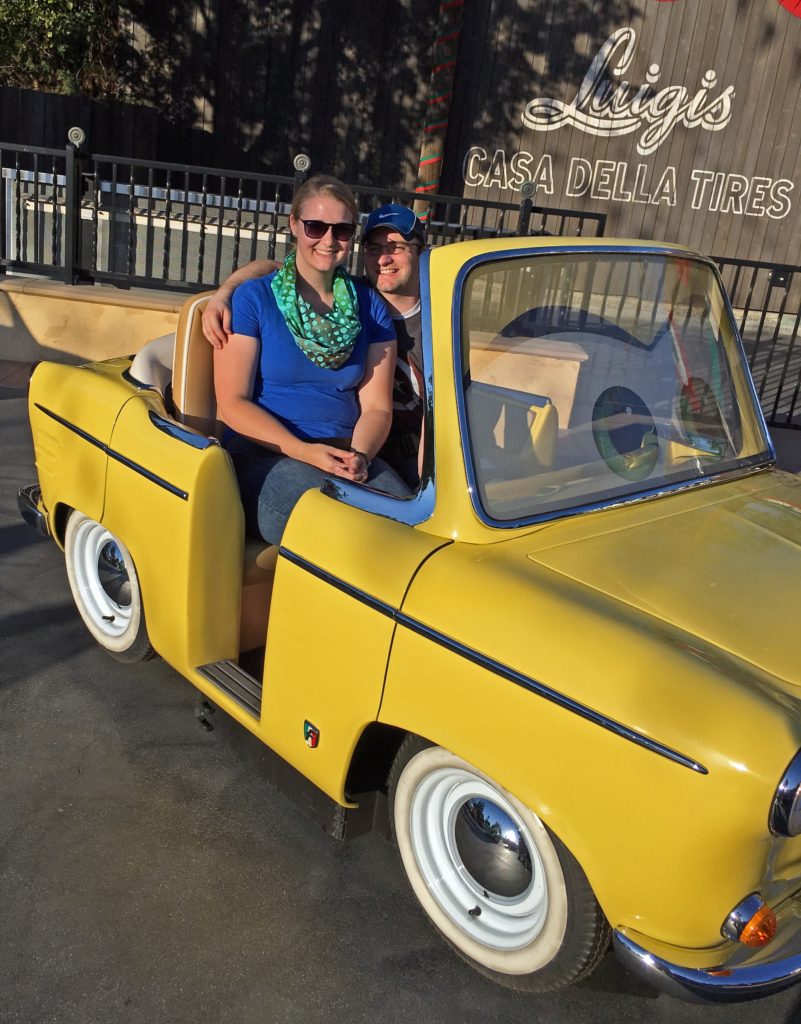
(101, 576)
(478, 859)
(492, 848)
(113, 575)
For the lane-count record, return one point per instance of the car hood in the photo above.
(722, 565)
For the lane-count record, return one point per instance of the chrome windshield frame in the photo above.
(748, 466)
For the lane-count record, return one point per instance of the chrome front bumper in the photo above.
(28, 499)
(764, 974)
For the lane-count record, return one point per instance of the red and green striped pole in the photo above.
(438, 103)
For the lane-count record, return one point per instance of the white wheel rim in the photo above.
(92, 547)
(503, 923)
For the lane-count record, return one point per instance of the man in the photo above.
(392, 241)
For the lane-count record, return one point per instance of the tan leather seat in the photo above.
(193, 370)
(196, 407)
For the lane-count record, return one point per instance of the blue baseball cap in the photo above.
(397, 218)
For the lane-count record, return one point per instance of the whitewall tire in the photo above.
(105, 587)
(494, 881)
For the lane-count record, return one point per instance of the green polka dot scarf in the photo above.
(326, 339)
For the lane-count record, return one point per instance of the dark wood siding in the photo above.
(248, 84)
(753, 163)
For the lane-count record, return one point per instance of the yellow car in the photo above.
(568, 666)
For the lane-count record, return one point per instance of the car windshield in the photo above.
(594, 376)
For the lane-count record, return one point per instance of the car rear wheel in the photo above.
(105, 588)
(502, 890)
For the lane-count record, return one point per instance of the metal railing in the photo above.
(81, 217)
(78, 217)
(767, 303)
(75, 217)
(458, 219)
(30, 240)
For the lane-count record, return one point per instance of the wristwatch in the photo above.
(367, 461)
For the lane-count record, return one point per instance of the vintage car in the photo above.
(566, 669)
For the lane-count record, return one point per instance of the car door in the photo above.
(342, 575)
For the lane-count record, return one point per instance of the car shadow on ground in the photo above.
(24, 656)
(611, 976)
(16, 537)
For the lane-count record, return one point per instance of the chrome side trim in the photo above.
(779, 821)
(582, 710)
(112, 454)
(540, 689)
(335, 581)
(723, 984)
(180, 433)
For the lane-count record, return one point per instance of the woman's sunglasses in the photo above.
(342, 231)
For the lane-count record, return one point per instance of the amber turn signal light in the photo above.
(760, 929)
(752, 922)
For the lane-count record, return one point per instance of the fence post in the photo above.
(301, 163)
(75, 163)
(527, 190)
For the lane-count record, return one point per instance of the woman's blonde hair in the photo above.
(325, 185)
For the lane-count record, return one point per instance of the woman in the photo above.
(305, 382)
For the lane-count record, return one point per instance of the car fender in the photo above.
(172, 499)
(72, 412)
(545, 693)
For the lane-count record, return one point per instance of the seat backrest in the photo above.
(152, 364)
(193, 370)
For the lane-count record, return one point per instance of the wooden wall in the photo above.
(247, 84)
(734, 191)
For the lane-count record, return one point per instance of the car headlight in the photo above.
(785, 813)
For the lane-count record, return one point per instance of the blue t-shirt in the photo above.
(309, 400)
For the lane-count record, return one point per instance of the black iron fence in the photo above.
(78, 217)
(767, 303)
(81, 217)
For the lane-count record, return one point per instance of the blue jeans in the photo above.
(270, 485)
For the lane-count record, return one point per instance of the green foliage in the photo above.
(69, 46)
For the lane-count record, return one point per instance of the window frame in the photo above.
(752, 464)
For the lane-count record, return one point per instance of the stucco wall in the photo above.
(77, 323)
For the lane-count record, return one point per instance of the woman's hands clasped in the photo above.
(350, 465)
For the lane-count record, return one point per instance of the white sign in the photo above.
(608, 105)
(611, 108)
(618, 181)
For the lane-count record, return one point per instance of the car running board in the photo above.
(238, 684)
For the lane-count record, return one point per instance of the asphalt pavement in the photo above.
(149, 873)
